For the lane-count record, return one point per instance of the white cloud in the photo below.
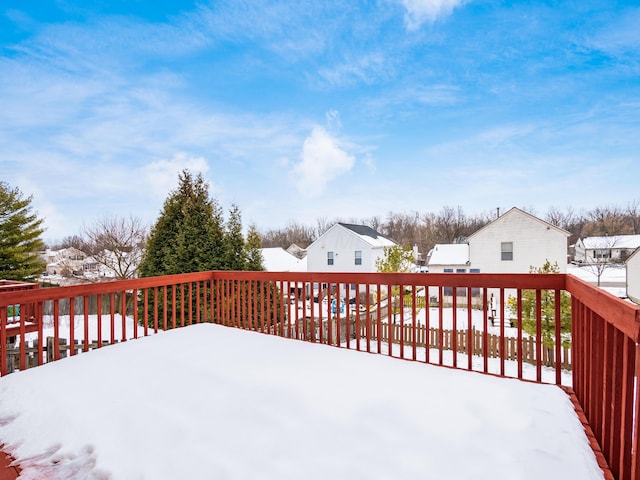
(162, 176)
(420, 11)
(322, 161)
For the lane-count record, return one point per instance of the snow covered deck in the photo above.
(209, 401)
(356, 408)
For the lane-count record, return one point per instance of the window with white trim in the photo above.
(506, 251)
(329, 258)
(357, 259)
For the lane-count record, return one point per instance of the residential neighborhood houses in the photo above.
(610, 248)
(347, 248)
(514, 242)
(70, 265)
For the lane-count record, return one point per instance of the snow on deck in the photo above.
(208, 401)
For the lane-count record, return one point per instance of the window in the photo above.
(602, 253)
(329, 258)
(358, 257)
(474, 270)
(448, 270)
(506, 251)
(461, 270)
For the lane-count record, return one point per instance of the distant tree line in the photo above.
(453, 225)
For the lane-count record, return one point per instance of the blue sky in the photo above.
(305, 109)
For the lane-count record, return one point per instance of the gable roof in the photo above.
(612, 241)
(369, 235)
(277, 259)
(517, 211)
(449, 254)
(635, 252)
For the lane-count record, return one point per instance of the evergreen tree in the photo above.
(255, 261)
(20, 231)
(548, 308)
(188, 235)
(234, 242)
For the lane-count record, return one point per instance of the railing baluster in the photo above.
(135, 312)
(99, 320)
(503, 340)
(123, 314)
(85, 317)
(520, 343)
(440, 324)
(454, 324)
(470, 331)
(72, 321)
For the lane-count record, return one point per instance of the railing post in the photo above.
(635, 441)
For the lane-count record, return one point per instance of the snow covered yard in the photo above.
(214, 402)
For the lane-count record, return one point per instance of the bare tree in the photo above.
(294, 232)
(632, 212)
(74, 241)
(601, 258)
(117, 244)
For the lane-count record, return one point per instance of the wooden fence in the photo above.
(472, 342)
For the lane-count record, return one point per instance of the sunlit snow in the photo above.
(208, 401)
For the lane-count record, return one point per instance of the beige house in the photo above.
(512, 243)
(515, 242)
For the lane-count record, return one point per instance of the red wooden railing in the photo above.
(378, 313)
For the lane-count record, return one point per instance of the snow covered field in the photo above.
(213, 402)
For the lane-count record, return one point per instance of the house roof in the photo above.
(369, 235)
(635, 252)
(517, 211)
(450, 254)
(612, 241)
(277, 259)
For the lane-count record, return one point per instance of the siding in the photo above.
(534, 242)
(633, 277)
(343, 243)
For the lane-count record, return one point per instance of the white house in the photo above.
(512, 243)
(610, 248)
(633, 276)
(515, 242)
(347, 248)
(68, 261)
(449, 258)
(278, 259)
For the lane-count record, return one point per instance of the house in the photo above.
(68, 261)
(278, 259)
(512, 243)
(347, 248)
(449, 258)
(297, 251)
(633, 276)
(515, 242)
(606, 249)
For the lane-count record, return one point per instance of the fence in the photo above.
(472, 343)
(605, 331)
